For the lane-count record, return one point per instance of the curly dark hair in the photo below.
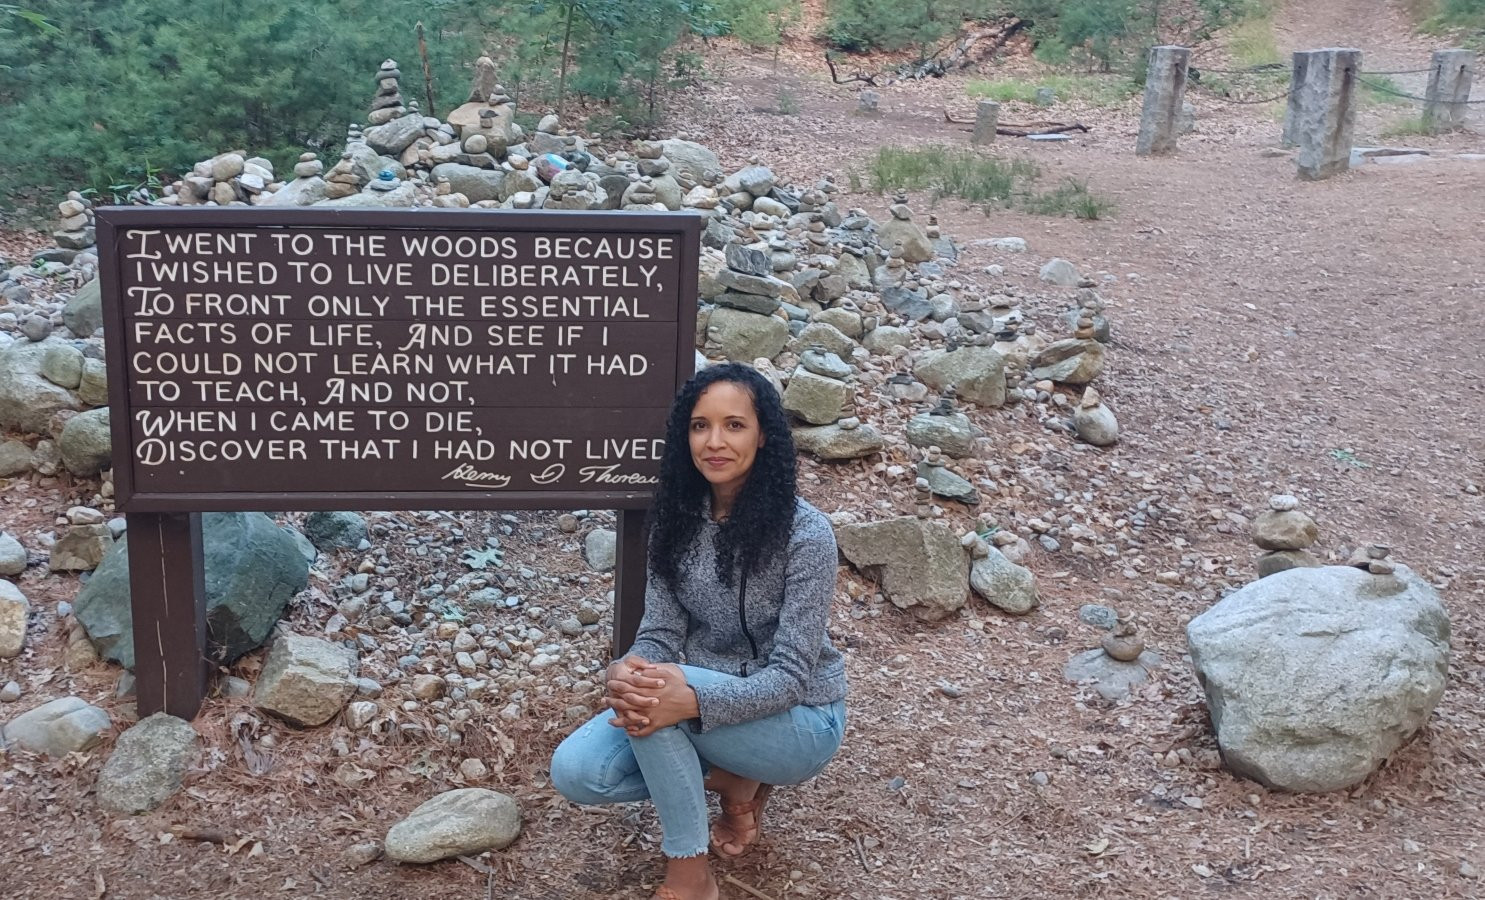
(759, 523)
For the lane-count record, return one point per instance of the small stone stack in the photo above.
(1118, 665)
(944, 482)
(901, 230)
(387, 105)
(76, 231)
(748, 281)
(82, 547)
(1287, 534)
(640, 195)
(1373, 558)
(1090, 308)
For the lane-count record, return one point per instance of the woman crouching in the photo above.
(732, 684)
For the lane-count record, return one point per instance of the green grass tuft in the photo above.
(984, 180)
(1070, 198)
(1080, 90)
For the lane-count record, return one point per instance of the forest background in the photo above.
(114, 96)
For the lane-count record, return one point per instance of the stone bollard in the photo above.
(1323, 109)
(866, 103)
(987, 118)
(1448, 90)
(1165, 92)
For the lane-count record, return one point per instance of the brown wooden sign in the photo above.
(266, 359)
(393, 359)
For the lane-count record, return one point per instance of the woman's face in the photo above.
(725, 434)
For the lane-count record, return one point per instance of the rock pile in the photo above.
(1118, 665)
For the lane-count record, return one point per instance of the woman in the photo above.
(741, 576)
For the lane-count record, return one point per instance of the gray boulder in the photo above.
(15, 458)
(882, 339)
(299, 192)
(65, 725)
(475, 183)
(1314, 676)
(600, 548)
(86, 443)
(83, 314)
(837, 442)
(147, 765)
(402, 196)
(744, 336)
(27, 400)
(252, 566)
(305, 681)
(395, 136)
(337, 530)
(690, 159)
(952, 434)
(976, 374)
(816, 399)
(12, 555)
(15, 609)
(916, 248)
(826, 336)
(462, 822)
(944, 483)
(920, 565)
(1061, 273)
(62, 366)
(1004, 584)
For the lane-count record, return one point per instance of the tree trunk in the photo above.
(562, 73)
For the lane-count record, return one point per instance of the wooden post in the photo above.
(629, 577)
(1165, 92)
(1448, 90)
(167, 590)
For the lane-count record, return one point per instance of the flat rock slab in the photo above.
(461, 822)
(65, 725)
(1114, 680)
(147, 765)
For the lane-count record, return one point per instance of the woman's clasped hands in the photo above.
(646, 696)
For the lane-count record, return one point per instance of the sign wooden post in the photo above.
(381, 359)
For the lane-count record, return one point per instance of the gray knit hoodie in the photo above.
(788, 611)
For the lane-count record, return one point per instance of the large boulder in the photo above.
(816, 399)
(1069, 361)
(147, 764)
(299, 192)
(335, 530)
(689, 159)
(473, 182)
(1314, 676)
(253, 567)
(462, 822)
(27, 400)
(839, 441)
(916, 247)
(305, 681)
(744, 336)
(921, 564)
(395, 136)
(975, 373)
(83, 314)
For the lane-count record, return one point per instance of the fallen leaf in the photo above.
(1097, 847)
(1202, 870)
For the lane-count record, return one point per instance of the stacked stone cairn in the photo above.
(1373, 558)
(1093, 422)
(387, 104)
(1117, 665)
(934, 471)
(1286, 534)
(77, 231)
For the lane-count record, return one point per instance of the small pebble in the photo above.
(10, 693)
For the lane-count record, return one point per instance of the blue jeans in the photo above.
(600, 763)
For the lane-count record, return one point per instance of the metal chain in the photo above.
(1387, 90)
(1251, 102)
